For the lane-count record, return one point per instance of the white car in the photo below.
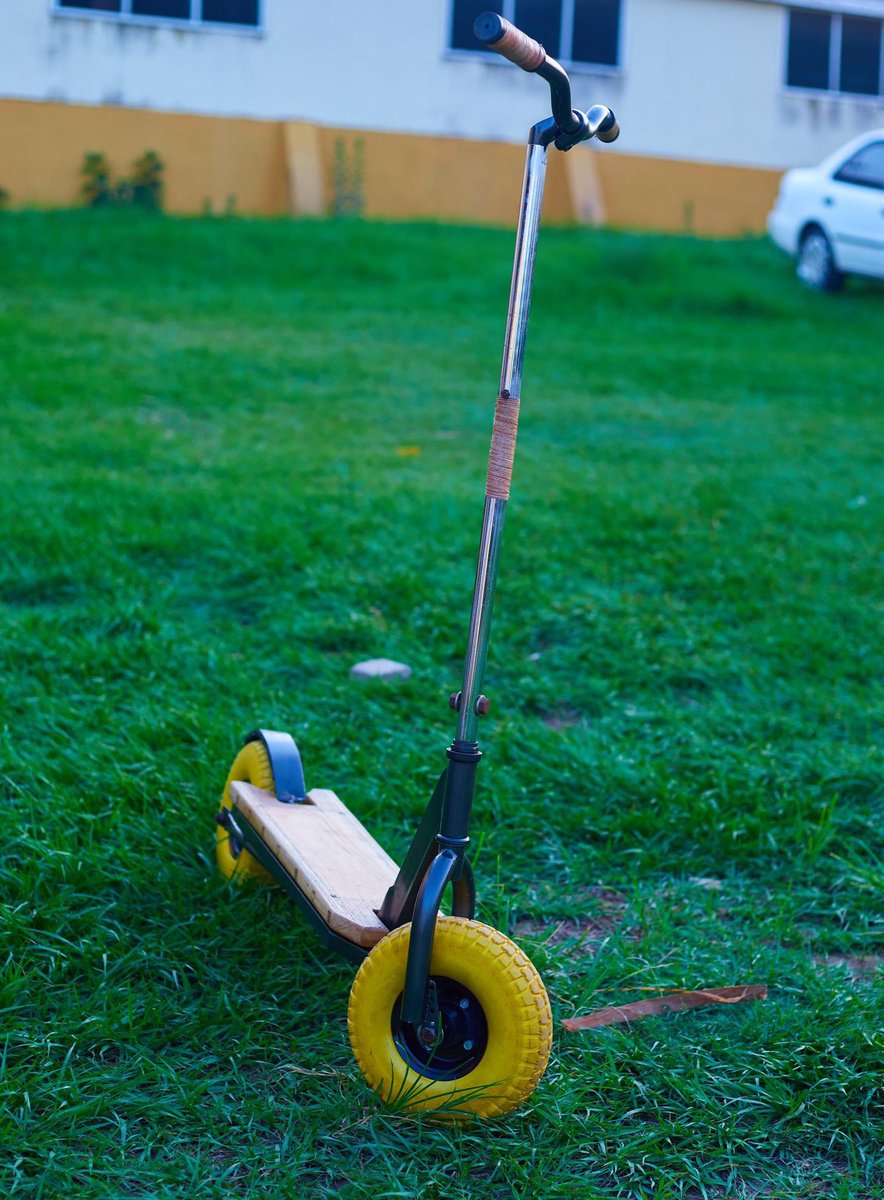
(830, 218)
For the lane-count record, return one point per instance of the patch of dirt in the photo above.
(810, 1178)
(586, 932)
(565, 718)
(858, 966)
(553, 932)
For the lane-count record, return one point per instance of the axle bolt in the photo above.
(454, 701)
(468, 1045)
(482, 705)
(464, 1003)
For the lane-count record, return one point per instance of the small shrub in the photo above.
(96, 186)
(348, 179)
(4, 198)
(142, 189)
(146, 183)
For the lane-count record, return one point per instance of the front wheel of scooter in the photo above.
(495, 1024)
(251, 765)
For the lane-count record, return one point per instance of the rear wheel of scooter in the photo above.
(251, 765)
(495, 1025)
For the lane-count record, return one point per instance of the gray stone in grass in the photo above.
(380, 668)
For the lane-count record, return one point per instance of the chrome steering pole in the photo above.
(565, 129)
(503, 443)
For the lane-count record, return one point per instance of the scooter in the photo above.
(446, 1014)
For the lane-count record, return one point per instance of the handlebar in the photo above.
(495, 32)
(503, 38)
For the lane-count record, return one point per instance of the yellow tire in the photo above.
(495, 1024)
(251, 765)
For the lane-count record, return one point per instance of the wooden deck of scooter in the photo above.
(331, 857)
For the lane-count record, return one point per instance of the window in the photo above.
(831, 52)
(865, 168)
(574, 31)
(860, 56)
(242, 14)
(100, 5)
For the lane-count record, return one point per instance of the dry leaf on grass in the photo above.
(670, 1002)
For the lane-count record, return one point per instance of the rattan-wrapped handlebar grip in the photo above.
(502, 37)
(503, 447)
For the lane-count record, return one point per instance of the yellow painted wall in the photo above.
(449, 178)
(274, 167)
(669, 194)
(207, 159)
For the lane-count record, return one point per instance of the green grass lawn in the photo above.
(208, 518)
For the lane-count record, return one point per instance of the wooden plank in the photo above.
(332, 858)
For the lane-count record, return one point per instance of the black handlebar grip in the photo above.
(611, 133)
(603, 123)
(499, 35)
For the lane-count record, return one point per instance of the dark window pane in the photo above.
(542, 20)
(231, 12)
(865, 168)
(95, 5)
(596, 31)
(809, 38)
(860, 56)
(161, 8)
(463, 14)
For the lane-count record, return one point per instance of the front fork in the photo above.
(443, 857)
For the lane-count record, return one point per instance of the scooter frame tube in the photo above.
(464, 754)
(434, 862)
(446, 821)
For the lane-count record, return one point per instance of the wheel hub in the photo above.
(461, 1038)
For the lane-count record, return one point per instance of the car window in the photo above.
(866, 167)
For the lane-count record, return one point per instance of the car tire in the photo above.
(816, 263)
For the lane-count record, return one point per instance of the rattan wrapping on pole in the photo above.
(503, 447)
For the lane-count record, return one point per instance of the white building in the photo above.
(283, 105)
